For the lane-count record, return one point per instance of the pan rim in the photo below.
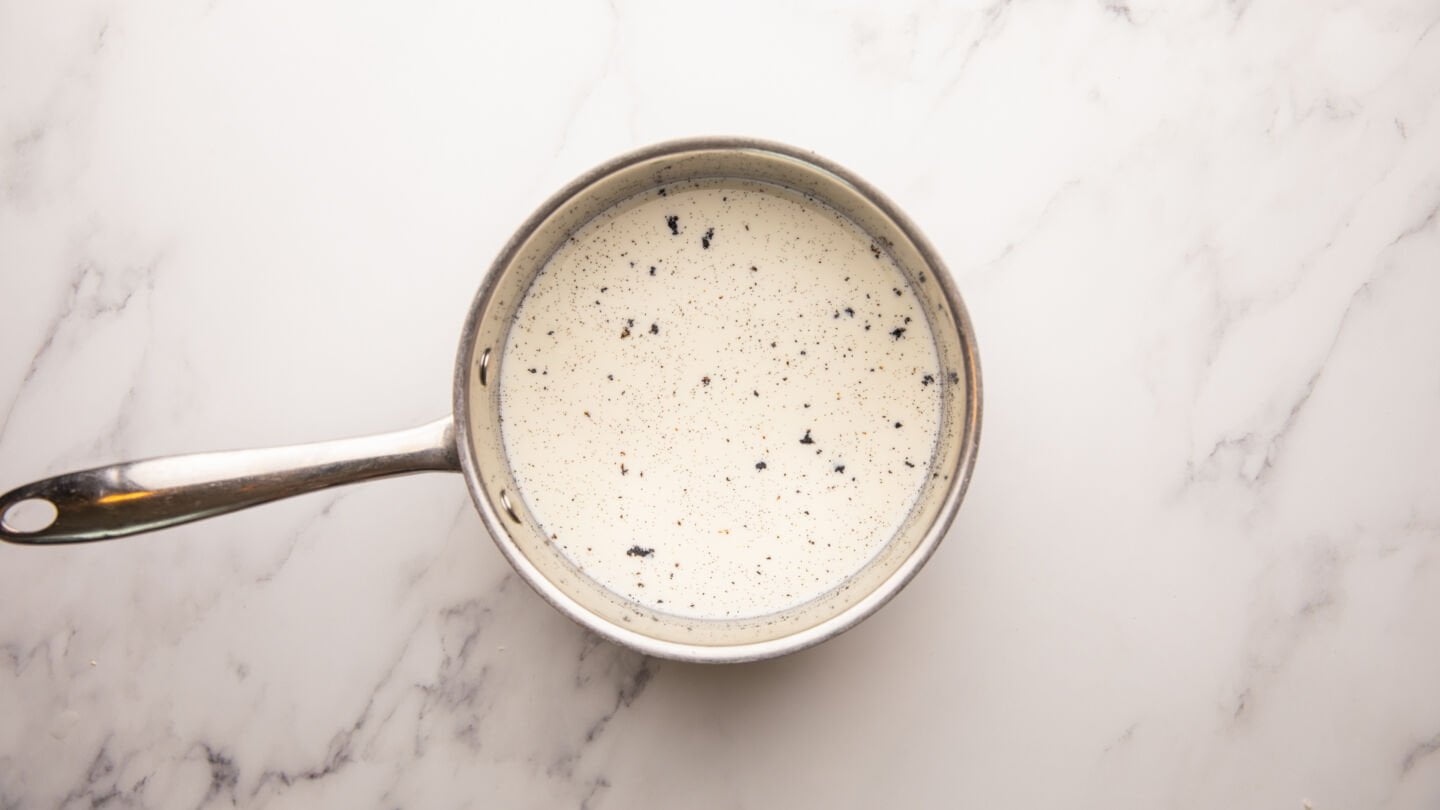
(749, 651)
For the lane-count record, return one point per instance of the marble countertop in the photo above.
(1199, 564)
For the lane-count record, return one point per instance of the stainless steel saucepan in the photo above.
(140, 496)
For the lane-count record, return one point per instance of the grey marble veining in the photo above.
(1199, 564)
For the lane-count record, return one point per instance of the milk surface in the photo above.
(720, 399)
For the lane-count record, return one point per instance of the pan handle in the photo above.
(142, 496)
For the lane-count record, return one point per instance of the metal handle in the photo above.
(141, 496)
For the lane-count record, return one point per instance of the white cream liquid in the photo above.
(724, 414)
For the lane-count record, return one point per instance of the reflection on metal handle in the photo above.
(141, 496)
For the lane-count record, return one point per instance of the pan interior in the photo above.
(566, 569)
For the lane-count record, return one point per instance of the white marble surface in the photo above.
(1200, 562)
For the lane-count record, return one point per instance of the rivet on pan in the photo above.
(484, 364)
(505, 499)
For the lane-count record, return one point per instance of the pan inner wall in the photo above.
(555, 573)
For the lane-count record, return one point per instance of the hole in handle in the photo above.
(29, 516)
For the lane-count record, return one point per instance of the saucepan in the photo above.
(140, 496)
